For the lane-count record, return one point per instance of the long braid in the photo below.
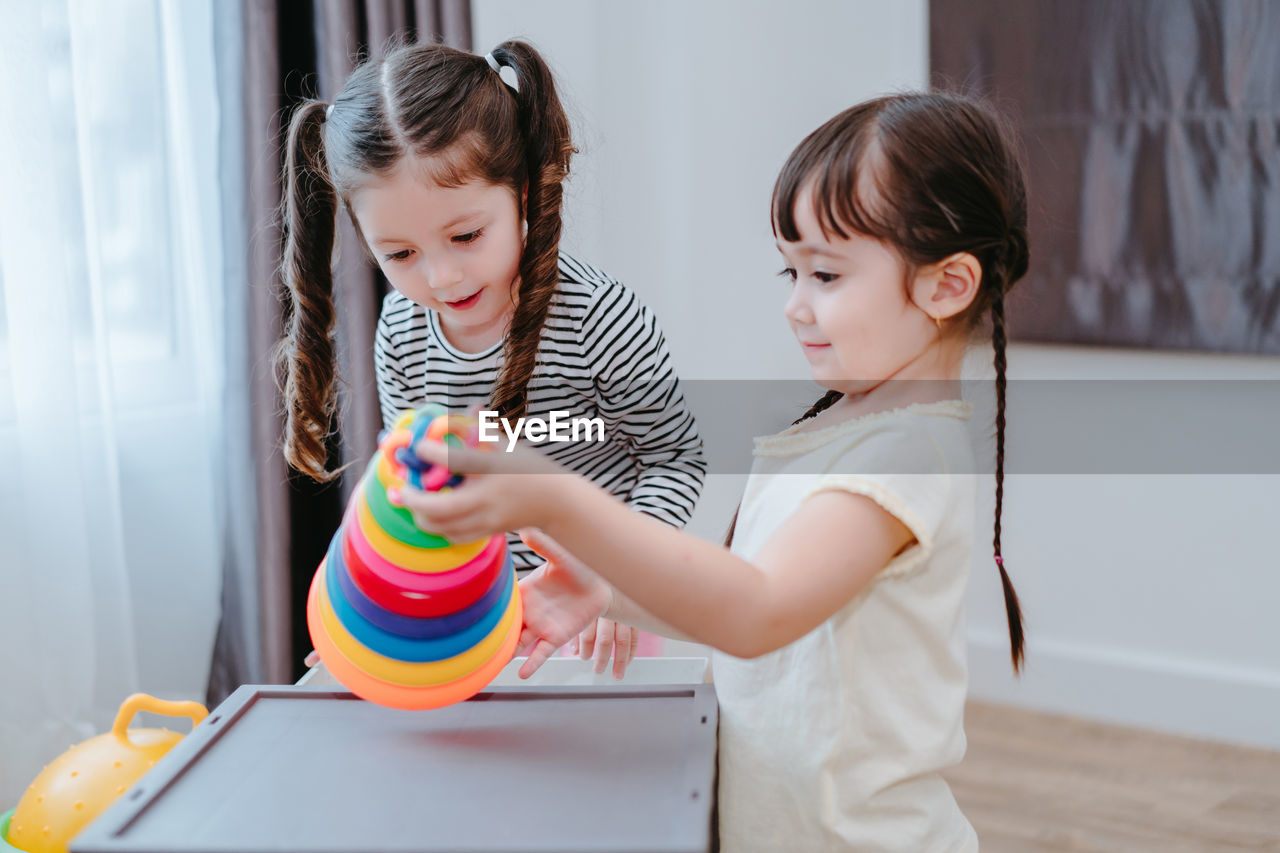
(307, 352)
(548, 150)
(1012, 609)
(824, 402)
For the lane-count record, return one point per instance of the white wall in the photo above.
(1148, 599)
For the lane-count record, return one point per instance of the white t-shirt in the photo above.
(835, 742)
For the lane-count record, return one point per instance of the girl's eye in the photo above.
(825, 277)
(402, 255)
(469, 237)
(788, 273)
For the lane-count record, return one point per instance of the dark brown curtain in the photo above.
(1151, 131)
(289, 51)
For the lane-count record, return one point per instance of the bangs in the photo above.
(841, 162)
(465, 160)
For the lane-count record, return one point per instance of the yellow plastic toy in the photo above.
(78, 785)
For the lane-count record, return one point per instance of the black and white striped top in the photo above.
(602, 356)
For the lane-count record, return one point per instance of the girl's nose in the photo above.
(441, 273)
(797, 309)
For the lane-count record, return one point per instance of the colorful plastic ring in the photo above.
(415, 593)
(460, 425)
(410, 649)
(420, 473)
(414, 467)
(407, 557)
(392, 671)
(408, 626)
(392, 472)
(402, 575)
(386, 476)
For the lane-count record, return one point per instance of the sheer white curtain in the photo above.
(111, 366)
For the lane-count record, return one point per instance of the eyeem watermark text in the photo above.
(559, 428)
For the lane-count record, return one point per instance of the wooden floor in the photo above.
(1034, 782)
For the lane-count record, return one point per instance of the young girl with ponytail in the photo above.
(837, 615)
(453, 180)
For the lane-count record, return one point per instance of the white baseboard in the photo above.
(1215, 702)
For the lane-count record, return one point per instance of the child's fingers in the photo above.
(459, 516)
(312, 658)
(538, 655)
(604, 644)
(587, 641)
(623, 649)
(547, 548)
(527, 640)
(542, 544)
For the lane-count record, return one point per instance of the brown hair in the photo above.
(939, 174)
(427, 101)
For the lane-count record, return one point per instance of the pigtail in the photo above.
(306, 353)
(1011, 266)
(548, 147)
(824, 402)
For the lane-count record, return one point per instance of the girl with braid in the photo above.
(837, 613)
(453, 181)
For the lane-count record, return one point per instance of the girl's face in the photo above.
(850, 310)
(455, 250)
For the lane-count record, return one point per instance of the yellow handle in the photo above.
(142, 702)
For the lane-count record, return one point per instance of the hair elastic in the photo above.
(493, 63)
(999, 561)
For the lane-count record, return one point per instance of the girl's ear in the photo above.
(948, 287)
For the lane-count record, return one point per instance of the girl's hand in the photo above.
(562, 597)
(503, 491)
(604, 637)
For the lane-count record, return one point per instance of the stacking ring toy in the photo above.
(402, 616)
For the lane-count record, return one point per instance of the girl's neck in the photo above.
(474, 339)
(886, 397)
(931, 378)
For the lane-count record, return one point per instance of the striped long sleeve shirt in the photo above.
(601, 356)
